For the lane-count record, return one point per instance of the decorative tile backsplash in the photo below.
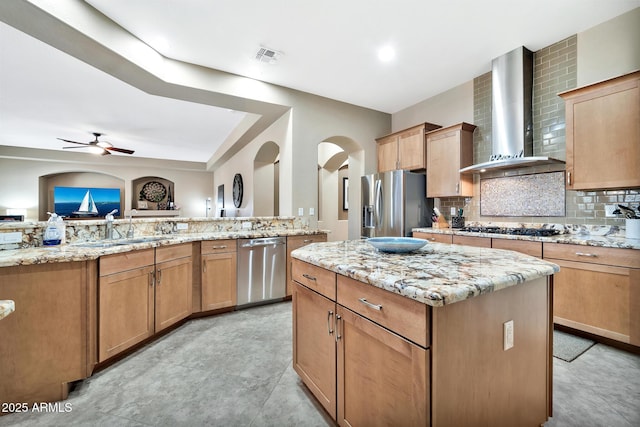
(535, 195)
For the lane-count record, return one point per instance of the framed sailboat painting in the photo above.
(85, 202)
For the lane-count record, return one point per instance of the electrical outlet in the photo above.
(247, 225)
(608, 211)
(312, 211)
(15, 237)
(182, 226)
(508, 334)
(300, 211)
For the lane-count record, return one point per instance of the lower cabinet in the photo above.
(43, 344)
(597, 290)
(219, 276)
(382, 378)
(173, 285)
(361, 373)
(482, 242)
(434, 237)
(141, 293)
(296, 242)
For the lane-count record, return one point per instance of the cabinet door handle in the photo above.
(338, 336)
(151, 278)
(457, 188)
(569, 178)
(586, 254)
(159, 278)
(306, 276)
(329, 316)
(307, 241)
(368, 304)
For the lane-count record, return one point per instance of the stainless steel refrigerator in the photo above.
(393, 203)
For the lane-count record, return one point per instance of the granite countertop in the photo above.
(438, 274)
(75, 251)
(6, 308)
(600, 237)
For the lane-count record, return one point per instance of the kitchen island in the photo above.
(446, 335)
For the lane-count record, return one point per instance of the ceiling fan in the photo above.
(98, 147)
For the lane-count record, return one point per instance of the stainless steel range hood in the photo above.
(511, 114)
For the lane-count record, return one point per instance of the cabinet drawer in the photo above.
(218, 246)
(295, 242)
(316, 278)
(167, 253)
(522, 246)
(594, 255)
(482, 242)
(399, 314)
(434, 237)
(116, 263)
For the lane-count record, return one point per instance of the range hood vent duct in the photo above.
(511, 114)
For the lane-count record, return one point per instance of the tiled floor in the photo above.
(235, 370)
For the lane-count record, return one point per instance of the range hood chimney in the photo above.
(511, 114)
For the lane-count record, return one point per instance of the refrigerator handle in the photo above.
(379, 204)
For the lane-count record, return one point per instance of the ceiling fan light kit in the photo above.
(98, 147)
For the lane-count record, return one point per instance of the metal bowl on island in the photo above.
(397, 245)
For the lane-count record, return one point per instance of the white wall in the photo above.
(20, 178)
(445, 109)
(610, 49)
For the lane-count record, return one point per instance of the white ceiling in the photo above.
(329, 49)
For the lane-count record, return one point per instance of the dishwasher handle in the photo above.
(262, 242)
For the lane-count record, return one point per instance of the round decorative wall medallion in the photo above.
(237, 190)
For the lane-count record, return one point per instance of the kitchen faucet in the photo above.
(109, 218)
(130, 230)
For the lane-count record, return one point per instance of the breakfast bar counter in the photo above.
(444, 335)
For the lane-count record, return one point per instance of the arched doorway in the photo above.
(266, 180)
(340, 165)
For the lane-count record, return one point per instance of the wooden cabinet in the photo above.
(141, 293)
(483, 242)
(296, 242)
(382, 377)
(523, 246)
(597, 290)
(338, 343)
(404, 149)
(173, 285)
(448, 150)
(219, 276)
(44, 343)
(314, 345)
(603, 134)
(434, 237)
(126, 301)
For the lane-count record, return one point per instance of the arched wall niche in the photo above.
(47, 183)
(266, 180)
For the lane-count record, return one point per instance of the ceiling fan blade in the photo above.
(67, 148)
(74, 142)
(120, 150)
(105, 153)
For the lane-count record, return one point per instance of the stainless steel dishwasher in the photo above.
(262, 265)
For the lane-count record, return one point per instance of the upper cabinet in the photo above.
(603, 134)
(404, 149)
(449, 150)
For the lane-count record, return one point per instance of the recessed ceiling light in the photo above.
(386, 53)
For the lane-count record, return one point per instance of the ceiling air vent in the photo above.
(267, 55)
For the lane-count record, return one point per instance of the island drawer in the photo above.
(315, 278)
(402, 315)
(593, 255)
(217, 246)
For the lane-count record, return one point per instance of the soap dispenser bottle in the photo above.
(54, 233)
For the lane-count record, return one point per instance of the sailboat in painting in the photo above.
(87, 207)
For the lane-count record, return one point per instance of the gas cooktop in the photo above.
(519, 231)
